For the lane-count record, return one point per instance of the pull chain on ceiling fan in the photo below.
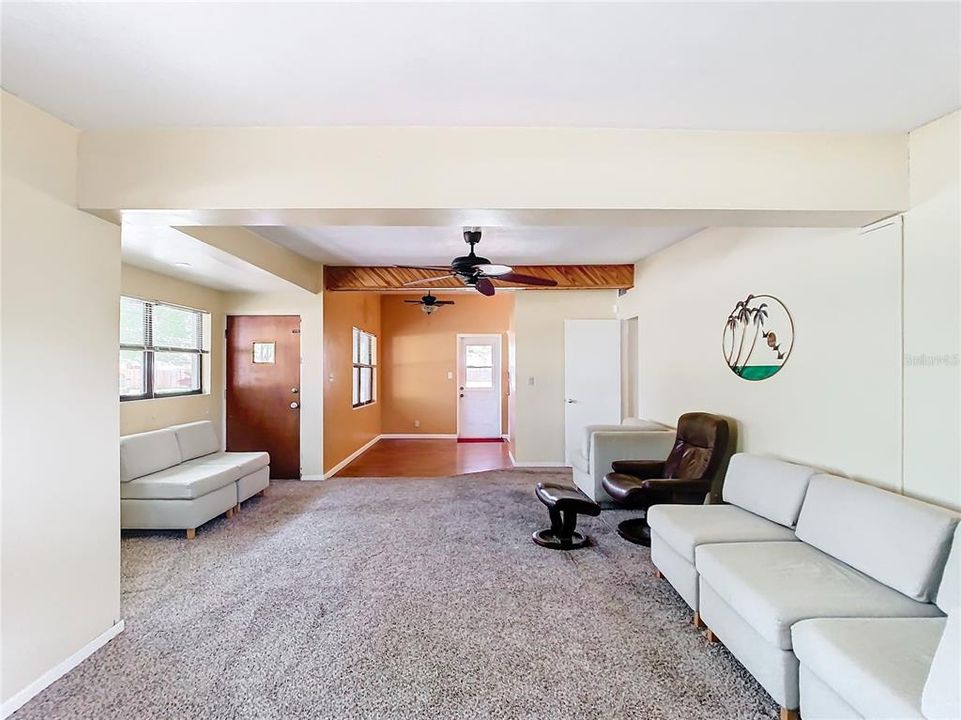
(476, 271)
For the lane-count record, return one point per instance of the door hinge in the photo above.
(295, 332)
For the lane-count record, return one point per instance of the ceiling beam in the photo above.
(568, 277)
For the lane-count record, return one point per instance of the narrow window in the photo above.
(364, 376)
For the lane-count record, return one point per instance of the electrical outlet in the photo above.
(530, 380)
(416, 423)
(450, 376)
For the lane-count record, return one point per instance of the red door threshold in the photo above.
(479, 440)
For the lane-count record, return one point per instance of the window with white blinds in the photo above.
(163, 349)
(365, 368)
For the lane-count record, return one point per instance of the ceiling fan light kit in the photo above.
(476, 271)
(429, 303)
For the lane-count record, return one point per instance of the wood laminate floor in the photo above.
(428, 458)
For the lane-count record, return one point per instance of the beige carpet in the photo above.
(399, 598)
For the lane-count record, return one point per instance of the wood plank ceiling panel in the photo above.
(568, 277)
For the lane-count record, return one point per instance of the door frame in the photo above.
(499, 342)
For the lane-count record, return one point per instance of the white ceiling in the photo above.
(170, 252)
(359, 245)
(795, 66)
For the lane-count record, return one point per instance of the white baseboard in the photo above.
(312, 478)
(347, 460)
(59, 670)
(417, 436)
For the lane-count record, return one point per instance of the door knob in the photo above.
(295, 390)
(462, 394)
(571, 401)
(294, 405)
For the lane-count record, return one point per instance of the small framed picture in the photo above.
(264, 352)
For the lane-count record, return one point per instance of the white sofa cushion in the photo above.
(949, 590)
(148, 452)
(901, 542)
(243, 462)
(187, 481)
(877, 665)
(773, 585)
(941, 698)
(684, 527)
(771, 488)
(197, 439)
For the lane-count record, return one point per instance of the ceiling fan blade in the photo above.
(428, 280)
(443, 302)
(485, 286)
(527, 279)
(493, 270)
(413, 302)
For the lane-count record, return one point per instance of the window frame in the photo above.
(149, 350)
(358, 367)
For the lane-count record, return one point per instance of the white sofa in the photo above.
(885, 667)
(178, 478)
(633, 439)
(863, 553)
(762, 499)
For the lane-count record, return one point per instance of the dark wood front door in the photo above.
(263, 389)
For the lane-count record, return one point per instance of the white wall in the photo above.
(310, 307)
(537, 421)
(141, 415)
(59, 322)
(932, 315)
(574, 168)
(836, 402)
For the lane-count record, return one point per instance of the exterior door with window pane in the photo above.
(479, 387)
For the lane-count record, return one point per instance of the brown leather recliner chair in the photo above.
(694, 469)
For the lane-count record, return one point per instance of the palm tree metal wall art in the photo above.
(758, 317)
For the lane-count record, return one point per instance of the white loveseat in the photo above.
(860, 556)
(178, 478)
(633, 439)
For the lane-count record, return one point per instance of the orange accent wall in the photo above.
(417, 352)
(347, 429)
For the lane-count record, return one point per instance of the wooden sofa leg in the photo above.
(711, 637)
(191, 533)
(229, 513)
(698, 623)
(658, 574)
(262, 493)
(786, 714)
(236, 508)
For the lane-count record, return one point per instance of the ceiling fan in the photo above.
(476, 271)
(429, 303)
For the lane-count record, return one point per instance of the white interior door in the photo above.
(479, 386)
(592, 377)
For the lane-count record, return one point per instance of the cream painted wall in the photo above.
(836, 402)
(141, 415)
(310, 307)
(932, 315)
(59, 325)
(537, 423)
(574, 168)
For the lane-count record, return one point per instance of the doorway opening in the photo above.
(480, 399)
